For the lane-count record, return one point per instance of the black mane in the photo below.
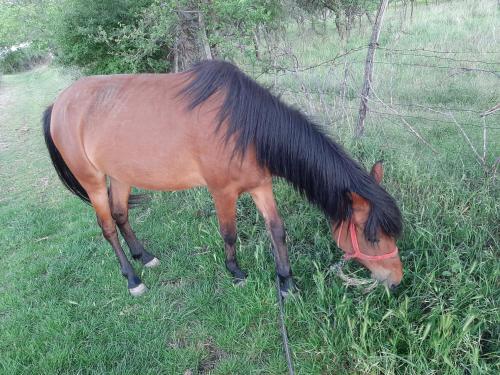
(291, 146)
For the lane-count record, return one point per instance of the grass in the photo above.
(64, 307)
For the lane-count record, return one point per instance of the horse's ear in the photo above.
(360, 209)
(358, 201)
(378, 171)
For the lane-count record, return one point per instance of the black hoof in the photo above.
(139, 290)
(239, 282)
(239, 277)
(135, 286)
(155, 262)
(147, 258)
(235, 270)
(287, 286)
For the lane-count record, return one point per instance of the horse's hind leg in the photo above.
(98, 195)
(119, 194)
(264, 200)
(225, 205)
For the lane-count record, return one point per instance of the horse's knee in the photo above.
(278, 234)
(228, 235)
(109, 231)
(120, 216)
(277, 230)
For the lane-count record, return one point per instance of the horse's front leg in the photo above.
(98, 195)
(119, 194)
(225, 205)
(264, 200)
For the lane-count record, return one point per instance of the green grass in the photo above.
(64, 307)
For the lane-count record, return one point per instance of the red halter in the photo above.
(357, 254)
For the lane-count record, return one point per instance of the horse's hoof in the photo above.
(287, 287)
(287, 293)
(139, 290)
(239, 282)
(153, 263)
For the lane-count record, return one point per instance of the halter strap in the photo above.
(357, 254)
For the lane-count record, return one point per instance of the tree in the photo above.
(24, 21)
(92, 35)
(157, 35)
(344, 11)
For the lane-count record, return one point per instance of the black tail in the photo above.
(65, 174)
(291, 146)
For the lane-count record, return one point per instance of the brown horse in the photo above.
(213, 126)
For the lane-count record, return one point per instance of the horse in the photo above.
(214, 126)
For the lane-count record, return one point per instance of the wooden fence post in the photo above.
(365, 92)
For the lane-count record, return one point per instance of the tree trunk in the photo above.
(191, 45)
(365, 92)
(204, 37)
(339, 26)
(369, 17)
(255, 39)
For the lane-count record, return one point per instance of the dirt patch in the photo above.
(43, 182)
(178, 343)
(23, 130)
(173, 283)
(212, 358)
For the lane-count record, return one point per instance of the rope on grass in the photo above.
(352, 281)
(283, 330)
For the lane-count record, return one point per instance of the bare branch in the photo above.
(491, 110)
(412, 129)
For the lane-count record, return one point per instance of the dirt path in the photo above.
(6, 99)
(24, 162)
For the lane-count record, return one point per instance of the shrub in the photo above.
(20, 60)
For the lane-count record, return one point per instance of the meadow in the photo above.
(64, 307)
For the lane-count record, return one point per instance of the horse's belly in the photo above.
(170, 181)
(177, 172)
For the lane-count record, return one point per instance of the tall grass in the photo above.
(64, 307)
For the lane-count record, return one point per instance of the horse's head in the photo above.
(381, 257)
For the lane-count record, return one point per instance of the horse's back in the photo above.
(137, 129)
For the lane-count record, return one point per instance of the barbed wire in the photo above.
(426, 106)
(280, 90)
(429, 119)
(413, 116)
(403, 52)
(437, 51)
(441, 57)
(465, 68)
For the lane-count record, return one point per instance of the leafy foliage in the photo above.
(233, 24)
(87, 33)
(25, 21)
(20, 59)
(344, 11)
(139, 36)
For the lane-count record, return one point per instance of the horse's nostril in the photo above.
(394, 287)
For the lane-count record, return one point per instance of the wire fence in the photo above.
(460, 92)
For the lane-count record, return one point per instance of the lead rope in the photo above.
(284, 334)
(349, 281)
(352, 281)
(337, 269)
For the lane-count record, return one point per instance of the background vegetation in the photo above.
(64, 307)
